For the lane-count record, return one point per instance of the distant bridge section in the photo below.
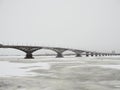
(59, 51)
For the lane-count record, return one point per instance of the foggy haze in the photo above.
(81, 24)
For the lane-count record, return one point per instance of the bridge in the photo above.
(59, 51)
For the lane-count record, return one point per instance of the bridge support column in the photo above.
(78, 55)
(87, 55)
(92, 54)
(59, 55)
(29, 56)
(96, 55)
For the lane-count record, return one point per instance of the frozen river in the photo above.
(101, 73)
(9, 69)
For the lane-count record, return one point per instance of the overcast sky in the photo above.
(80, 24)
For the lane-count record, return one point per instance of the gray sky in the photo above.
(82, 24)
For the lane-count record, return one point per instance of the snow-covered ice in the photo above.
(20, 69)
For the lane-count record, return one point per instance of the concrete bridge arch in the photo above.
(29, 50)
(66, 52)
(44, 51)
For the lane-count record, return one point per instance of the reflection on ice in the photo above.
(20, 69)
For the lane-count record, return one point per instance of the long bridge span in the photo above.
(59, 51)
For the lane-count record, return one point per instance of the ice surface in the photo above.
(20, 69)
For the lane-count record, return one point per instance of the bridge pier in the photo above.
(29, 56)
(96, 54)
(87, 54)
(92, 54)
(78, 55)
(99, 54)
(59, 55)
